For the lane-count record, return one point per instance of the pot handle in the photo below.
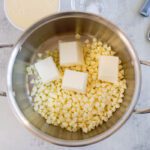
(143, 110)
(6, 45)
(2, 93)
(64, 5)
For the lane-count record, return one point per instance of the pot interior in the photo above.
(46, 36)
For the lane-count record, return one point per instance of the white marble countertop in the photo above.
(134, 135)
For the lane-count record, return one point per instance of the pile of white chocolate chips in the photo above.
(75, 110)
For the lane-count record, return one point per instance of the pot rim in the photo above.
(57, 141)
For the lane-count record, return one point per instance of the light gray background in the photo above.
(134, 135)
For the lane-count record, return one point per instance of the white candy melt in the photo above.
(70, 53)
(75, 81)
(47, 70)
(108, 68)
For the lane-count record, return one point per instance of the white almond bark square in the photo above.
(75, 81)
(108, 68)
(47, 70)
(70, 53)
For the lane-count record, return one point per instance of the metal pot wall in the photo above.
(65, 26)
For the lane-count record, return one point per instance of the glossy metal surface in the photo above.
(62, 26)
(2, 93)
(143, 110)
(144, 62)
(145, 10)
(148, 35)
(6, 45)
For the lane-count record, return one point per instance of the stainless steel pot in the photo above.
(65, 26)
